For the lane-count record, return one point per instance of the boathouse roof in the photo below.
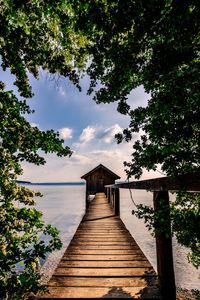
(98, 168)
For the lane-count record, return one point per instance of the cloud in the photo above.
(65, 133)
(95, 145)
(108, 136)
(100, 136)
(72, 168)
(87, 134)
(78, 159)
(106, 153)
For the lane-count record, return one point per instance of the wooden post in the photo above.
(117, 202)
(111, 197)
(108, 195)
(164, 246)
(86, 197)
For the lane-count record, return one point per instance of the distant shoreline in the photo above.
(49, 183)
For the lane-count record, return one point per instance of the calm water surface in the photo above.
(64, 206)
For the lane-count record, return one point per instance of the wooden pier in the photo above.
(103, 260)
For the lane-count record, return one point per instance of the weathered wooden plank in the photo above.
(98, 292)
(99, 222)
(101, 234)
(99, 282)
(103, 219)
(101, 230)
(103, 244)
(105, 264)
(100, 211)
(101, 227)
(102, 247)
(105, 257)
(108, 238)
(186, 182)
(101, 272)
(83, 242)
(100, 218)
(102, 237)
(102, 251)
(103, 224)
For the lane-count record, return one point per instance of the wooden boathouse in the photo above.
(103, 260)
(97, 179)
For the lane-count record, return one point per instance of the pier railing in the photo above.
(160, 188)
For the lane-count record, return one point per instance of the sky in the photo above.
(86, 127)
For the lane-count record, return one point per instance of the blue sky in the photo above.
(88, 128)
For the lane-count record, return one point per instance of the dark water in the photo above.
(63, 206)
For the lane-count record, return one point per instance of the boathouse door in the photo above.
(100, 187)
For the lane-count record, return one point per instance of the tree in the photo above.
(30, 39)
(155, 44)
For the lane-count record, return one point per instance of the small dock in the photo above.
(103, 260)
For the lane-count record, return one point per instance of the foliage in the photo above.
(30, 38)
(196, 293)
(21, 224)
(154, 44)
(38, 34)
(186, 223)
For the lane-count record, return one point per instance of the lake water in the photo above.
(64, 206)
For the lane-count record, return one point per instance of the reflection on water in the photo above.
(64, 206)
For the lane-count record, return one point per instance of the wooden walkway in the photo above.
(103, 261)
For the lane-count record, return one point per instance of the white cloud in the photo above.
(65, 133)
(99, 135)
(95, 145)
(87, 134)
(106, 153)
(78, 159)
(72, 168)
(108, 135)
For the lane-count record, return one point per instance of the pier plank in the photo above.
(102, 251)
(101, 282)
(105, 257)
(105, 264)
(102, 247)
(100, 292)
(104, 272)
